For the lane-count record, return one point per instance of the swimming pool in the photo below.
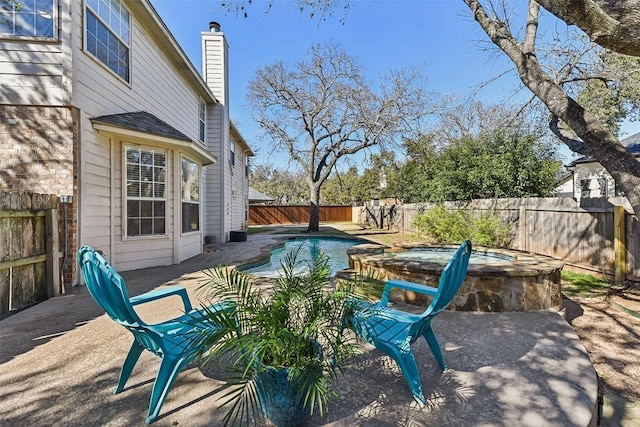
(335, 248)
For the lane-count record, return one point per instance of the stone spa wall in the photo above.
(527, 282)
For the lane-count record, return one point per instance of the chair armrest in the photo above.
(163, 293)
(408, 286)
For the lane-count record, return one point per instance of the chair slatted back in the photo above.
(451, 279)
(107, 288)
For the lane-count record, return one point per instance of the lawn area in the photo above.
(583, 285)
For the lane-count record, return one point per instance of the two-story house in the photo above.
(99, 104)
(589, 179)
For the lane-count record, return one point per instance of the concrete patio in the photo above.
(60, 360)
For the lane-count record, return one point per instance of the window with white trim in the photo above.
(202, 114)
(232, 153)
(145, 177)
(108, 34)
(603, 187)
(28, 18)
(190, 189)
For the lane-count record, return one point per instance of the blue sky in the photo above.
(439, 36)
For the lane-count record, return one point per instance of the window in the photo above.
(232, 154)
(246, 166)
(146, 191)
(28, 18)
(602, 182)
(108, 34)
(203, 118)
(585, 191)
(190, 189)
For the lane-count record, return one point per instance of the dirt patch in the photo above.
(612, 339)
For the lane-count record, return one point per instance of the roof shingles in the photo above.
(142, 121)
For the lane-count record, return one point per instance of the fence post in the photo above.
(619, 244)
(52, 246)
(522, 229)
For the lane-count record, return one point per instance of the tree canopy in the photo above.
(322, 111)
(614, 25)
(586, 133)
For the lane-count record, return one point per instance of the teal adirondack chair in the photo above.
(393, 331)
(173, 340)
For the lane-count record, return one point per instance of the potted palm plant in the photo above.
(281, 347)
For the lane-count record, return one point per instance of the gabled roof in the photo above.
(142, 121)
(258, 197)
(632, 143)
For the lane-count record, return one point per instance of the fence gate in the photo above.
(29, 270)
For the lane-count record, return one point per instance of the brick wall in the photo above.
(37, 149)
(38, 154)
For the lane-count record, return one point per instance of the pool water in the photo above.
(334, 248)
(443, 255)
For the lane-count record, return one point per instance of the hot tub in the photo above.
(497, 279)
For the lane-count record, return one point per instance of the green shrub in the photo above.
(490, 230)
(440, 225)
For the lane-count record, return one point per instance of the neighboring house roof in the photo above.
(140, 123)
(563, 176)
(257, 197)
(632, 143)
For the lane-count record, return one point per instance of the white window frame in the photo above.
(603, 184)
(15, 14)
(202, 121)
(144, 184)
(186, 197)
(102, 16)
(232, 153)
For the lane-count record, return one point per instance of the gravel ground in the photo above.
(612, 339)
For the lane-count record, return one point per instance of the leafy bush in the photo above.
(440, 225)
(490, 230)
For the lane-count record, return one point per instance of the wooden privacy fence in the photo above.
(29, 270)
(276, 214)
(598, 234)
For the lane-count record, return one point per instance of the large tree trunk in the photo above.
(603, 145)
(611, 24)
(314, 209)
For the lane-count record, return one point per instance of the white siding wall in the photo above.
(240, 191)
(217, 209)
(592, 171)
(213, 185)
(156, 86)
(37, 72)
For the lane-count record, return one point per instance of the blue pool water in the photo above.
(443, 255)
(334, 248)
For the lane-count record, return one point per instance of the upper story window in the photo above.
(108, 34)
(28, 18)
(232, 153)
(202, 120)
